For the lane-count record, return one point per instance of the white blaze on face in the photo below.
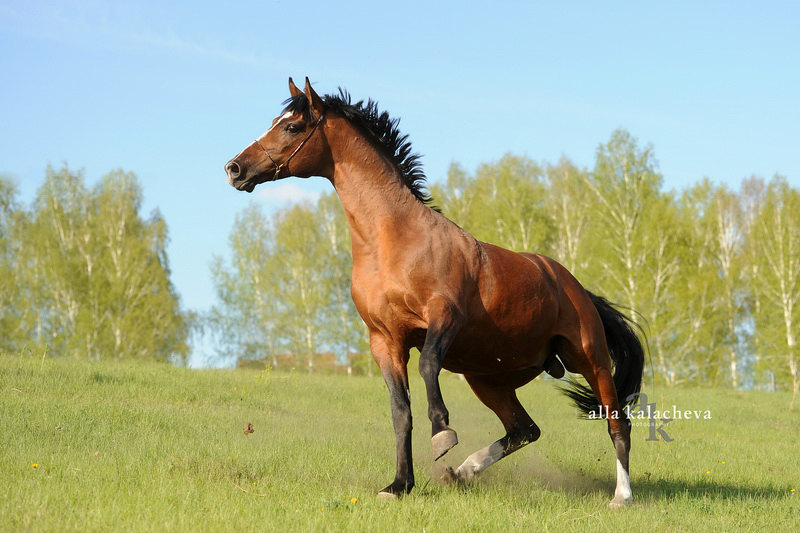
(282, 118)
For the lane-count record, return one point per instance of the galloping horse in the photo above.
(498, 317)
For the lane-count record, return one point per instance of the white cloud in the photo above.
(285, 194)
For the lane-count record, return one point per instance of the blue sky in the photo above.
(172, 90)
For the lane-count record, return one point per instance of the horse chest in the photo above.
(386, 305)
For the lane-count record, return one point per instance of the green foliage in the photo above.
(775, 253)
(141, 446)
(640, 249)
(246, 316)
(504, 203)
(10, 305)
(713, 289)
(91, 275)
(286, 290)
(348, 334)
(568, 206)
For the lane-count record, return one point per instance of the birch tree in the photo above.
(503, 203)
(454, 196)
(776, 247)
(724, 224)
(96, 273)
(300, 270)
(569, 207)
(61, 257)
(634, 235)
(752, 196)
(346, 333)
(246, 316)
(712, 283)
(10, 291)
(138, 308)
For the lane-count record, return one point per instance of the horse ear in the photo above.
(293, 90)
(317, 106)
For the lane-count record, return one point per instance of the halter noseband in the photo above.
(278, 167)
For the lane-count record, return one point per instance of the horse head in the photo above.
(293, 146)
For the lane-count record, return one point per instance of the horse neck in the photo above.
(379, 206)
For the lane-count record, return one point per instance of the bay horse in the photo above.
(498, 317)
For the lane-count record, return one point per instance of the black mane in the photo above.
(382, 128)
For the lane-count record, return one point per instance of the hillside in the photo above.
(109, 446)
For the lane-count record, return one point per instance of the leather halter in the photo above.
(278, 167)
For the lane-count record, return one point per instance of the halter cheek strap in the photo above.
(278, 167)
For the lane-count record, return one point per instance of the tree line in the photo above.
(712, 274)
(84, 275)
(284, 295)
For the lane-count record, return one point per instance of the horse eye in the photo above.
(292, 128)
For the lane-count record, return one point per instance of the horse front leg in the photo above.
(392, 363)
(441, 332)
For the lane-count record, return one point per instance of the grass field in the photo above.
(119, 447)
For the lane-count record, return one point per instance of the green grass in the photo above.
(151, 447)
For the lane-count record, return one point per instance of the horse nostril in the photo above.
(233, 169)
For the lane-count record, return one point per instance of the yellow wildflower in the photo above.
(355, 500)
(35, 465)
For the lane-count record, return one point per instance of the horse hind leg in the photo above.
(619, 429)
(520, 428)
(596, 370)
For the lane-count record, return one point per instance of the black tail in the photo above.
(627, 354)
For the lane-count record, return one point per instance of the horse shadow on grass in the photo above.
(669, 488)
(647, 488)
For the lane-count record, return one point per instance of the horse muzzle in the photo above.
(238, 177)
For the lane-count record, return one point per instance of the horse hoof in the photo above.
(619, 503)
(449, 475)
(386, 496)
(442, 442)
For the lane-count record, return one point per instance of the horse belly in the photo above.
(482, 350)
(512, 324)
